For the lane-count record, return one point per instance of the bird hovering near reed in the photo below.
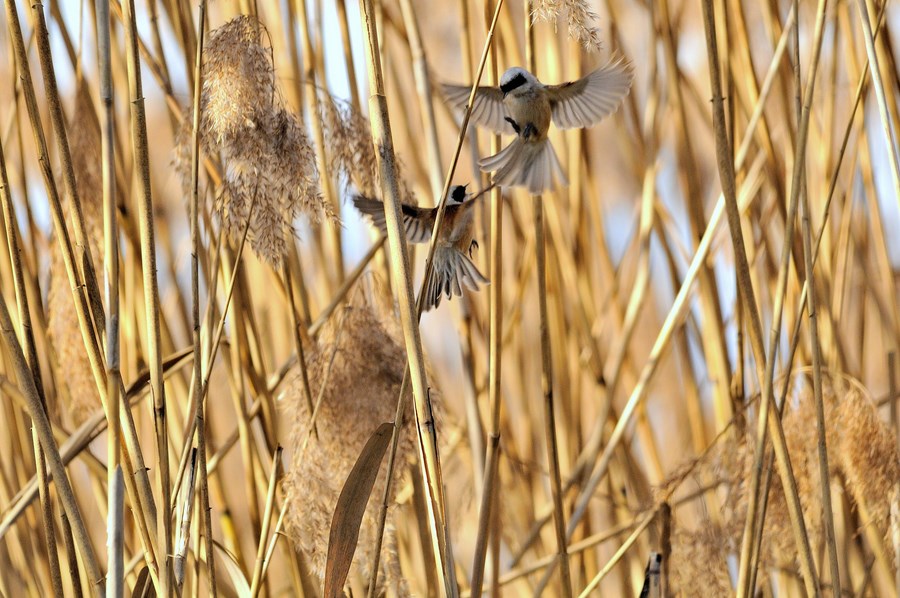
(524, 107)
(453, 267)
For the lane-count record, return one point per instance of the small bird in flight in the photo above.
(453, 267)
(523, 106)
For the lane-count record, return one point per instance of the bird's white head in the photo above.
(515, 78)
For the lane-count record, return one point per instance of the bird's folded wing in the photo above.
(488, 109)
(592, 98)
(417, 222)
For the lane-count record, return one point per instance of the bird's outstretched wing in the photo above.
(587, 101)
(418, 222)
(488, 109)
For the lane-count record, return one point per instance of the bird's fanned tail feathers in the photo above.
(452, 270)
(526, 164)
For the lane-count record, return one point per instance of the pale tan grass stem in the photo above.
(266, 522)
(383, 143)
(490, 484)
(767, 415)
(115, 482)
(196, 384)
(151, 288)
(42, 424)
(30, 351)
(550, 431)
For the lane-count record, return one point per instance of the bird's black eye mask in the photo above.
(517, 81)
(459, 194)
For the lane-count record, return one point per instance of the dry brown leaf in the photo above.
(351, 505)
(144, 587)
(233, 569)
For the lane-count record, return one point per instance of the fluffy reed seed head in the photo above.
(697, 566)
(270, 173)
(238, 80)
(349, 139)
(74, 368)
(580, 20)
(360, 393)
(867, 456)
(862, 454)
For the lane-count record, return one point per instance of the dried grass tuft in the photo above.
(698, 566)
(801, 437)
(895, 525)
(360, 394)
(580, 20)
(269, 162)
(867, 456)
(74, 368)
(349, 139)
(861, 452)
(863, 456)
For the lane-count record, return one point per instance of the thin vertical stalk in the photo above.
(426, 99)
(886, 121)
(115, 543)
(115, 575)
(815, 348)
(824, 471)
(59, 128)
(196, 384)
(399, 258)
(546, 352)
(136, 478)
(465, 43)
(311, 96)
(298, 341)
(489, 487)
(267, 521)
(826, 210)
(427, 440)
(895, 396)
(386, 496)
(30, 351)
(238, 394)
(471, 318)
(341, 6)
(153, 11)
(151, 289)
(765, 368)
(276, 533)
(184, 531)
(48, 443)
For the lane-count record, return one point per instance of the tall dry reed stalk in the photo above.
(593, 419)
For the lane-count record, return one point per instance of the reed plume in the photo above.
(863, 456)
(349, 138)
(361, 391)
(866, 455)
(74, 368)
(580, 20)
(697, 565)
(269, 162)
